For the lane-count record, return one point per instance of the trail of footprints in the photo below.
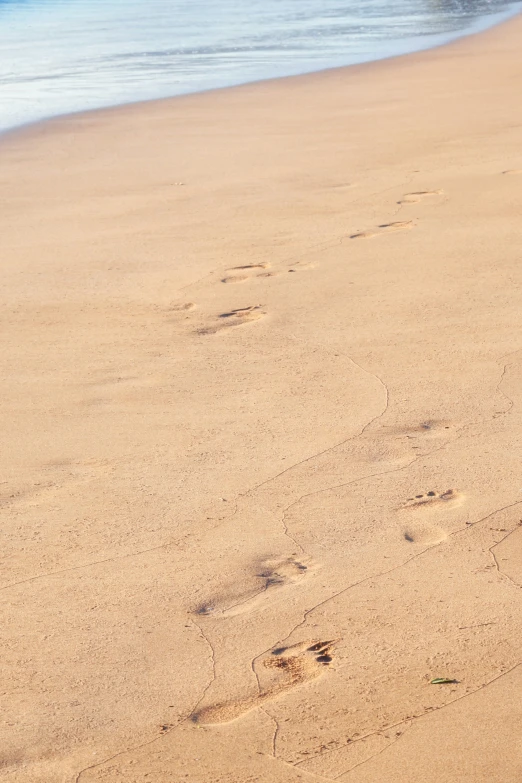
(263, 270)
(287, 667)
(398, 225)
(240, 315)
(414, 197)
(240, 274)
(245, 272)
(385, 228)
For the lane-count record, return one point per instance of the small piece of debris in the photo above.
(443, 681)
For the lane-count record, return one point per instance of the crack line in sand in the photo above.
(247, 599)
(498, 390)
(320, 453)
(372, 421)
(478, 625)
(288, 534)
(331, 598)
(273, 478)
(410, 720)
(483, 519)
(213, 662)
(354, 437)
(313, 775)
(276, 731)
(278, 475)
(307, 612)
(378, 753)
(336, 445)
(361, 739)
(164, 732)
(111, 559)
(126, 750)
(274, 739)
(495, 560)
(88, 565)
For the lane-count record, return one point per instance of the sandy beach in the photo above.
(261, 470)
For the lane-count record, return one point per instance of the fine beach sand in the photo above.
(261, 467)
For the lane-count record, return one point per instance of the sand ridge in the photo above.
(261, 483)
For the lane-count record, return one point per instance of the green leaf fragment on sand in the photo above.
(442, 681)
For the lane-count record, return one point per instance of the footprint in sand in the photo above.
(300, 266)
(435, 427)
(240, 274)
(424, 535)
(182, 307)
(420, 195)
(512, 171)
(278, 671)
(428, 429)
(385, 228)
(430, 499)
(271, 575)
(241, 315)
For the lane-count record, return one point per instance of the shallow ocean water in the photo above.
(60, 56)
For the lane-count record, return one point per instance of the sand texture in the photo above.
(261, 431)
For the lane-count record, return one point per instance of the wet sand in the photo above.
(261, 380)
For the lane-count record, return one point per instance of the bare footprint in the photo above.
(435, 427)
(245, 272)
(428, 429)
(241, 315)
(300, 266)
(278, 671)
(432, 498)
(272, 575)
(235, 279)
(424, 535)
(249, 267)
(385, 228)
(414, 198)
(182, 307)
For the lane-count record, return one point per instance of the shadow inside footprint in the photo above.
(246, 272)
(248, 266)
(424, 535)
(236, 317)
(414, 198)
(385, 228)
(235, 279)
(241, 312)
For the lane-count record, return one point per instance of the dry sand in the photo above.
(261, 466)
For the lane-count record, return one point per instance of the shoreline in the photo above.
(261, 366)
(130, 105)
